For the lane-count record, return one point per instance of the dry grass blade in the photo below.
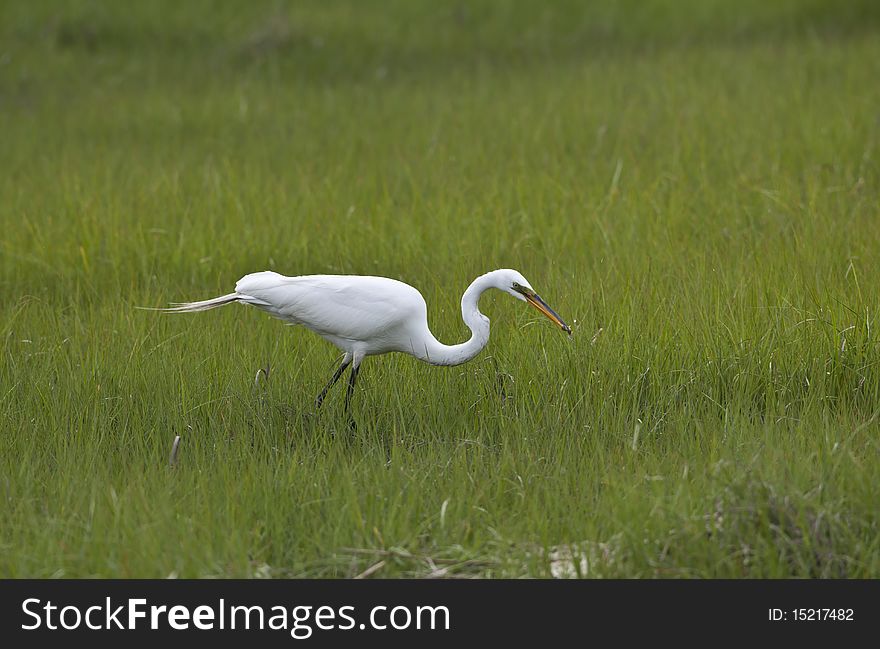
(175, 447)
(376, 567)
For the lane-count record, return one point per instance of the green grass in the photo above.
(692, 185)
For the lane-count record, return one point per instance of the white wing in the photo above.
(377, 310)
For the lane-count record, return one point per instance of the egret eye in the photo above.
(519, 288)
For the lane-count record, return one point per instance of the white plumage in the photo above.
(364, 315)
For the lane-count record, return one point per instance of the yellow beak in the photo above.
(535, 300)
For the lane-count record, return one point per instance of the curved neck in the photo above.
(437, 353)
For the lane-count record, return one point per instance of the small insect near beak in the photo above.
(535, 300)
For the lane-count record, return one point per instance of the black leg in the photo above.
(346, 361)
(351, 381)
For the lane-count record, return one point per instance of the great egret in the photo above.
(365, 316)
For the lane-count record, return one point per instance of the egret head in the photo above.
(518, 286)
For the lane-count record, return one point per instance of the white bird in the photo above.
(365, 316)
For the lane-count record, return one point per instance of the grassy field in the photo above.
(693, 185)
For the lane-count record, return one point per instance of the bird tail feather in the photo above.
(204, 305)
